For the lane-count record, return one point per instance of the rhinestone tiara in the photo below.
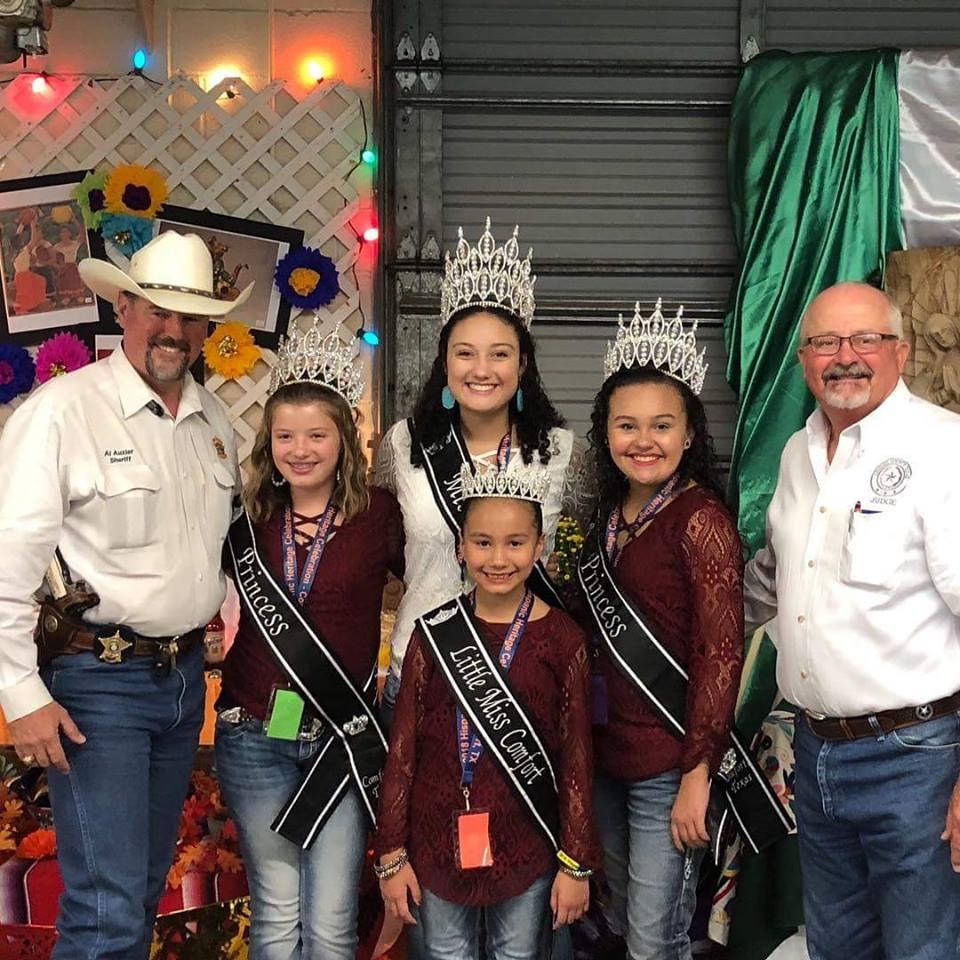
(660, 343)
(325, 360)
(516, 482)
(488, 276)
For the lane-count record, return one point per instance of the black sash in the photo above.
(645, 661)
(442, 463)
(483, 694)
(312, 668)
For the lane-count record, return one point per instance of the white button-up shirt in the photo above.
(138, 502)
(862, 563)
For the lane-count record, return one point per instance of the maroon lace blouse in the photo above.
(421, 789)
(344, 601)
(685, 571)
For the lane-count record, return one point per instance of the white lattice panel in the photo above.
(262, 155)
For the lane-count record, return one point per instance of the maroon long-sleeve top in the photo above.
(685, 572)
(421, 789)
(344, 602)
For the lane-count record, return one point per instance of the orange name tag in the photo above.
(472, 839)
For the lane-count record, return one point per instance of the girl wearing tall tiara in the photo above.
(661, 576)
(299, 745)
(483, 402)
(485, 809)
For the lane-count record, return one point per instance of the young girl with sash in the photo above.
(298, 743)
(482, 401)
(661, 574)
(485, 809)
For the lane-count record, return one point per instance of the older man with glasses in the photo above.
(861, 570)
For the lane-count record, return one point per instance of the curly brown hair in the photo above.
(262, 499)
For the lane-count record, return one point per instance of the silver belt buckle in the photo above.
(232, 715)
(311, 730)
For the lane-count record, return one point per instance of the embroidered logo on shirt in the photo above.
(220, 448)
(890, 478)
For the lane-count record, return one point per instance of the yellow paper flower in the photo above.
(304, 281)
(230, 350)
(135, 191)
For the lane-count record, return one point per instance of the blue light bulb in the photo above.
(371, 338)
(139, 59)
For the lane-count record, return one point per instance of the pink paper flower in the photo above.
(59, 355)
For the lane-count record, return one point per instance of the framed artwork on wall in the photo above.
(42, 238)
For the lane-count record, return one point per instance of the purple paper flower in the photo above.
(17, 371)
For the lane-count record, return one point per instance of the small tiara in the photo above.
(517, 482)
(660, 343)
(324, 360)
(488, 276)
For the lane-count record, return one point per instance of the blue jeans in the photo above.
(118, 809)
(653, 886)
(304, 902)
(877, 881)
(516, 929)
(388, 702)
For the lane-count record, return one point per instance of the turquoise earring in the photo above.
(447, 399)
(519, 399)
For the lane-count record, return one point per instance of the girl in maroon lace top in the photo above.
(423, 780)
(676, 556)
(308, 499)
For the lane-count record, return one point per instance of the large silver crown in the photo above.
(657, 342)
(488, 276)
(325, 360)
(519, 481)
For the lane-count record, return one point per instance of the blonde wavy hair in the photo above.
(262, 499)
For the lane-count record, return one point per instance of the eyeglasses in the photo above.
(862, 343)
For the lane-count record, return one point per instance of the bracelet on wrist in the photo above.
(583, 873)
(384, 871)
(567, 861)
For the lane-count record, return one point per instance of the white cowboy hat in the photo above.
(173, 271)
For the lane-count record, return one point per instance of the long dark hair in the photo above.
(533, 423)
(699, 463)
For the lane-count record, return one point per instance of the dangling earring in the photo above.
(447, 398)
(519, 399)
(278, 479)
(687, 444)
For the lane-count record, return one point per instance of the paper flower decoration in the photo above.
(37, 845)
(230, 350)
(136, 191)
(128, 234)
(90, 195)
(59, 355)
(307, 279)
(17, 371)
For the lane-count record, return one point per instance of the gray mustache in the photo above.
(853, 370)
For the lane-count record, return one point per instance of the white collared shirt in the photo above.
(139, 505)
(862, 562)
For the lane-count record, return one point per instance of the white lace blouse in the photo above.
(432, 572)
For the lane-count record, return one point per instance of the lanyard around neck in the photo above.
(300, 586)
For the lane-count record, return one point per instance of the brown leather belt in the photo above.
(113, 643)
(853, 728)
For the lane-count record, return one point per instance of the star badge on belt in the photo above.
(113, 648)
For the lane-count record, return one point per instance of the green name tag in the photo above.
(285, 715)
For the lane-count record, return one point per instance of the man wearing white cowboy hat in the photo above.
(123, 474)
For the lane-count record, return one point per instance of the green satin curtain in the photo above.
(813, 161)
(813, 174)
